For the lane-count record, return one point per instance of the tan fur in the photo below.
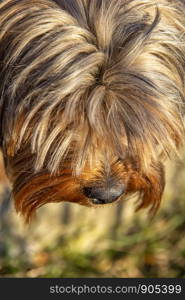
(90, 89)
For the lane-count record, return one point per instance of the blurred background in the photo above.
(66, 240)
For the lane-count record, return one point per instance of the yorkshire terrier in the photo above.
(92, 97)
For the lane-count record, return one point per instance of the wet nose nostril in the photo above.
(101, 195)
(88, 192)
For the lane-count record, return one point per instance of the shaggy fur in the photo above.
(92, 95)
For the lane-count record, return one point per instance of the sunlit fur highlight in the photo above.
(90, 90)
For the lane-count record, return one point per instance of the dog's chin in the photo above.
(100, 203)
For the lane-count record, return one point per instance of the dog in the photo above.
(92, 99)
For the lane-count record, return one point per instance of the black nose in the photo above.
(102, 195)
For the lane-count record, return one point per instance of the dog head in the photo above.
(92, 97)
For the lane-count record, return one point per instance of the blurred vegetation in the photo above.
(71, 241)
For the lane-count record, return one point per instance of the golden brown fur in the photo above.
(92, 92)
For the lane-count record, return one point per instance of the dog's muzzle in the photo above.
(102, 195)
